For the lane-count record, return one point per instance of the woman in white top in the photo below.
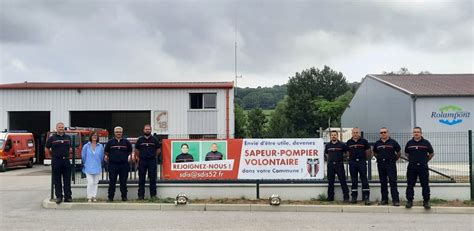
(92, 156)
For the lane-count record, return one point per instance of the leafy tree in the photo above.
(354, 86)
(263, 97)
(256, 123)
(303, 89)
(402, 71)
(278, 126)
(240, 122)
(332, 110)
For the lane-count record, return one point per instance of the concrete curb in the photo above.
(47, 204)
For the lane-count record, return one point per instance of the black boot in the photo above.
(383, 202)
(346, 199)
(409, 204)
(353, 200)
(59, 200)
(367, 201)
(426, 204)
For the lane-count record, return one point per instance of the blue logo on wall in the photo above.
(451, 115)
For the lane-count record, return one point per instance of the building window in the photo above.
(202, 136)
(202, 100)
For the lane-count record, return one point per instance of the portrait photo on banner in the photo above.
(185, 151)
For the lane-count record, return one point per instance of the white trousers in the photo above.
(92, 185)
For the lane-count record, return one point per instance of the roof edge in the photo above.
(391, 85)
(65, 85)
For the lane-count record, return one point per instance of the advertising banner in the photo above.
(234, 159)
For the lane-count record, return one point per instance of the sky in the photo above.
(170, 41)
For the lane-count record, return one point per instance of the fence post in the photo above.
(52, 181)
(73, 159)
(369, 162)
(471, 166)
(38, 149)
(258, 189)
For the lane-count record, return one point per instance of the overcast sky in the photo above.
(194, 40)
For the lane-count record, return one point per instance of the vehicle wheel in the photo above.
(30, 163)
(3, 166)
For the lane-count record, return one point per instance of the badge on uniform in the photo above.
(147, 145)
(62, 141)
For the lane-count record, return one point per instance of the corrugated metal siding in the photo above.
(60, 102)
(202, 122)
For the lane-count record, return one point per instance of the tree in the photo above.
(402, 71)
(354, 86)
(256, 123)
(262, 97)
(240, 122)
(305, 87)
(278, 126)
(332, 110)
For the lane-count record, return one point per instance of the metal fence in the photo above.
(451, 160)
(450, 164)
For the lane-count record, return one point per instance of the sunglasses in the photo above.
(383, 132)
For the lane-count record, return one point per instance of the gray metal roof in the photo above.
(430, 84)
(116, 85)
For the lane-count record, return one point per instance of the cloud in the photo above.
(194, 40)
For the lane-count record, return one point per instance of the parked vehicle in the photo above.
(16, 149)
(79, 137)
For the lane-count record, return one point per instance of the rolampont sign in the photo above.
(451, 115)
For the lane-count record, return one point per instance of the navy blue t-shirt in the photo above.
(214, 156)
(387, 150)
(147, 147)
(118, 150)
(357, 148)
(59, 145)
(418, 151)
(335, 152)
(184, 157)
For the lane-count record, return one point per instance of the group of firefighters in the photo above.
(387, 151)
(356, 150)
(117, 152)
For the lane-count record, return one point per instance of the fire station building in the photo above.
(174, 110)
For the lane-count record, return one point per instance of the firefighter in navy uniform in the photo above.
(419, 152)
(334, 153)
(184, 156)
(58, 146)
(147, 149)
(387, 152)
(117, 151)
(359, 152)
(214, 154)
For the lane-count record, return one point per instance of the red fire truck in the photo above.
(80, 137)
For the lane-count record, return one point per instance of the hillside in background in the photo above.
(260, 97)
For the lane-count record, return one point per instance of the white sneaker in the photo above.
(94, 199)
(89, 200)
